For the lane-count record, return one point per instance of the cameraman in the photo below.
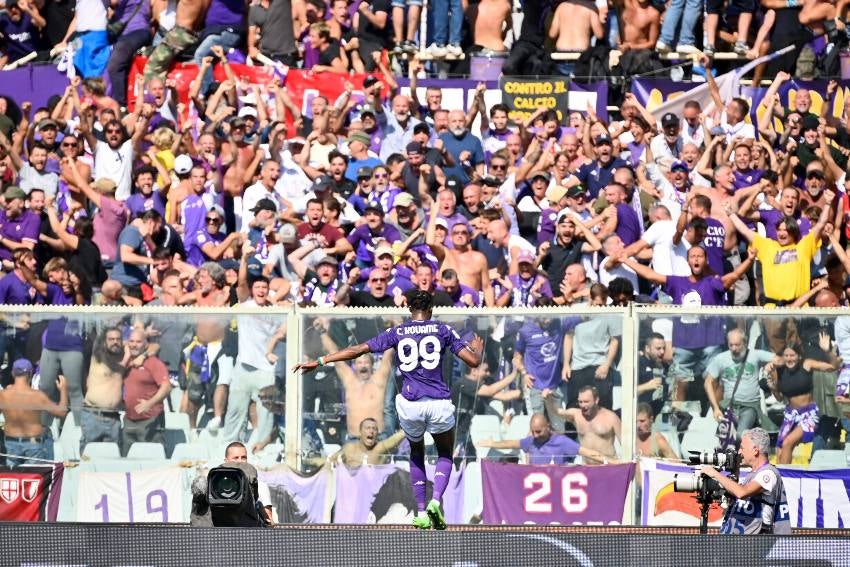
(760, 506)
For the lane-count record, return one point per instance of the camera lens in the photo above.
(226, 486)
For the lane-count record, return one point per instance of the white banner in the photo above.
(662, 506)
(155, 495)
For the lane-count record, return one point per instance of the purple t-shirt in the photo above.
(558, 450)
(522, 296)
(15, 291)
(770, 217)
(194, 245)
(20, 35)
(141, 16)
(226, 13)
(541, 350)
(26, 227)
(61, 334)
(693, 331)
(461, 291)
(714, 242)
(746, 178)
(628, 225)
(193, 211)
(546, 225)
(420, 347)
(138, 204)
(363, 240)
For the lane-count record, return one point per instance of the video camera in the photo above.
(232, 496)
(708, 490)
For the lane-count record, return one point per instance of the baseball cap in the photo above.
(247, 111)
(369, 81)
(414, 148)
(453, 184)
(566, 215)
(576, 191)
(105, 185)
(21, 366)
(264, 205)
(679, 164)
(669, 120)
(229, 264)
(14, 192)
(361, 137)
(383, 248)
(329, 260)
(364, 171)
(544, 174)
(602, 139)
(322, 183)
(237, 122)
(525, 256)
(288, 234)
(374, 208)
(442, 223)
(182, 164)
(555, 193)
(403, 200)
(47, 123)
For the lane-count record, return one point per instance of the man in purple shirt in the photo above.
(536, 355)
(144, 198)
(14, 289)
(626, 223)
(365, 237)
(544, 447)
(789, 202)
(424, 403)
(462, 295)
(19, 227)
(744, 175)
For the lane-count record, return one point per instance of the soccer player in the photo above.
(424, 403)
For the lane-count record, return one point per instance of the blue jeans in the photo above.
(118, 68)
(447, 29)
(685, 11)
(43, 450)
(226, 39)
(99, 427)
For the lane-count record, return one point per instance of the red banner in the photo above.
(301, 85)
(30, 494)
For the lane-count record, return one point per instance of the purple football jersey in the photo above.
(419, 350)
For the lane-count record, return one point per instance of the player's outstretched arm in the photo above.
(349, 353)
(471, 355)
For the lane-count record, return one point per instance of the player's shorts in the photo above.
(426, 414)
(807, 417)
(842, 387)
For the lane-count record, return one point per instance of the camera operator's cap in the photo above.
(542, 174)
(364, 172)
(603, 139)
(360, 136)
(329, 260)
(679, 164)
(415, 148)
(669, 120)
(369, 81)
(47, 123)
(21, 366)
(373, 208)
(183, 164)
(453, 184)
(288, 234)
(525, 256)
(555, 193)
(14, 192)
(566, 215)
(403, 200)
(574, 192)
(442, 223)
(264, 205)
(323, 183)
(247, 111)
(105, 185)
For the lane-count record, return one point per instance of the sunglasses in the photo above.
(498, 167)
(69, 144)
(113, 131)
(380, 176)
(815, 175)
(459, 232)
(215, 220)
(375, 280)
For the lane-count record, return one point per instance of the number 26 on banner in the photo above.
(573, 496)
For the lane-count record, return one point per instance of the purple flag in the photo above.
(382, 495)
(551, 494)
(299, 499)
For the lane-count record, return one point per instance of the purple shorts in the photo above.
(807, 417)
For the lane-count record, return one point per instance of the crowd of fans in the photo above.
(153, 204)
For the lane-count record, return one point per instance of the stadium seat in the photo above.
(99, 451)
(518, 429)
(330, 448)
(190, 452)
(176, 430)
(698, 441)
(146, 451)
(67, 447)
(484, 427)
(706, 424)
(829, 459)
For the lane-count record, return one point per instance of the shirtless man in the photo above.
(22, 407)
(190, 15)
(649, 443)
(492, 21)
(470, 265)
(641, 25)
(237, 156)
(364, 391)
(597, 426)
(99, 419)
(211, 288)
(367, 450)
(573, 23)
